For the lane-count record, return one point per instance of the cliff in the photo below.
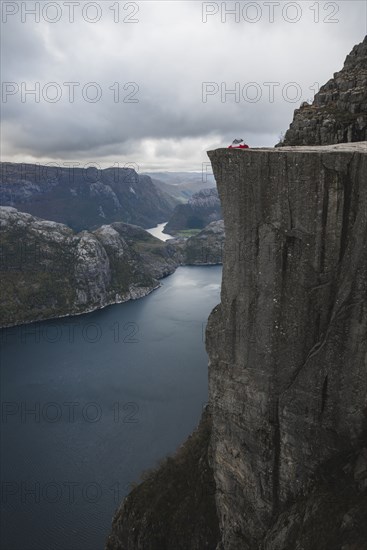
(338, 113)
(288, 348)
(201, 209)
(84, 198)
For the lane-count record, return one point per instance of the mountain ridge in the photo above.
(338, 113)
(84, 198)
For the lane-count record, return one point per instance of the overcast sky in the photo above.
(150, 78)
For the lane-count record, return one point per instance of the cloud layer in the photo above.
(162, 90)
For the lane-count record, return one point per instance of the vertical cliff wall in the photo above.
(288, 345)
(285, 450)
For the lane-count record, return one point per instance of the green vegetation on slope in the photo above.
(174, 506)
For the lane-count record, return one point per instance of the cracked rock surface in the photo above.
(288, 345)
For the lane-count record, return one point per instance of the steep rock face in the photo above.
(84, 198)
(288, 349)
(338, 113)
(287, 372)
(49, 271)
(202, 209)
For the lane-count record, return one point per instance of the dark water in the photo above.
(89, 402)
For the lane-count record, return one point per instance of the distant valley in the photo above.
(201, 209)
(182, 185)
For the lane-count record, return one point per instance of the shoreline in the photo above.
(78, 313)
(146, 292)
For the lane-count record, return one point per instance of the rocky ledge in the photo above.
(287, 349)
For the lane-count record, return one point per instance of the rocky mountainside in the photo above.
(288, 349)
(205, 248)
(338, 113)
(84, 198)
(287, 345)
(201, 209)
(48, 270)
(287, 364)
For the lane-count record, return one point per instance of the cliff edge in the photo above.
(288, 349)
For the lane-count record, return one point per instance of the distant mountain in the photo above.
(84, 199)
(205, 248)
(182, 185)
(201, 209)
(181, 178)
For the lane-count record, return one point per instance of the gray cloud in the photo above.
(169, 54)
